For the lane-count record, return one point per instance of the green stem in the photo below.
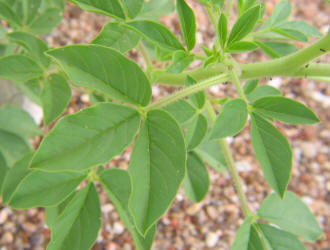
(293, 65)
(145, 55)
(188, 91)
(237, 84)
(287, 65)
(212, 17)
(231, 165)
(215, 25)
(229, 7)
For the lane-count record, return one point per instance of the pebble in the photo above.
(243, 166)
(7, 238)
(118, 228)
(3, 215)
(212, 239)
(309, 149)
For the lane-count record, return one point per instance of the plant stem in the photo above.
(145, 55)
(292, 65)
(229, 7)
(237, 84)
(212, 17)
(188, 91)
(287, 65)
(215, 25)
(231, 165)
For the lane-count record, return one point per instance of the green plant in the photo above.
(163, 157)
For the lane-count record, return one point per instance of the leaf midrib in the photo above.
(89, 140)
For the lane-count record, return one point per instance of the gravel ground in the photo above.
(212, 223)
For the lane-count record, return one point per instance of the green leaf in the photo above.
(133, 7)
(157, 34)
(117, 36)
(154, 9)
(198, 99)
(250, 86)
(35, 46)
(157, 168)
(118, 186)
(96, 98)
(280, 13)
(292, 34)
(231, 120)
(55, 97)
(13, 146)
(240, 7)
(196, 182)
(31, 89)
(44, 189)
(249, 3)
(277, 49)
(196, 131)
(211, 153)
(241, 46)
(3, 32)
(14, 176)
(187, 23)
(285, 109)
(181, 60)
(46, 22)
(222, 29)
(45, 4)
(109, 72)
(301, 26)
(30, 9)
(109, 8)
(273, 152)
(18, 121)
(247, 237)
(262, 91)
(52, 213)
(181, 110)
(7, 14)
(19, 68)
(3, 170)
(244, 25)
(278, 239)
(78, 225)
(87, 138)
(290, 214)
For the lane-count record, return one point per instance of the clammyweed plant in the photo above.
(173, 137)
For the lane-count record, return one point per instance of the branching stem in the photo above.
(293, 65)
(231, 165)
(188, 91)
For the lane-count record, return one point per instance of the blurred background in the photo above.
(212, 223)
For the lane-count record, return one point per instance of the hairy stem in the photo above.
(231, 165)
(237, 84)
(188, 91)
(293, 65)
(287, 65)
(145, 55)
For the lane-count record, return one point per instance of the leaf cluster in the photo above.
(173, 139)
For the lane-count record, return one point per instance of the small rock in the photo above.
(29, 227)
(107, 208)
(212, 212)
(243, 166)
(118, 228)
(84, 98)
(193, 209)
(7, 238)
(3, 216)
(212, 239)
(309, 149)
